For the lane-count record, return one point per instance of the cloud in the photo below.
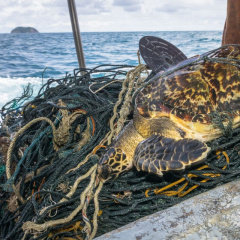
(114, 15)
(53, 3)
(184, 5)
(93, 7)
(47, 15)
(128, 5)
(167, 8)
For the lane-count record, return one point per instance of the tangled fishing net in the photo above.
(50, 146)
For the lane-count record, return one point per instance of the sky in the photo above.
(114, 15)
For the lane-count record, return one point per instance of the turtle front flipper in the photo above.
(158, 154)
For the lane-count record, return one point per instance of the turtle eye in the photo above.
(103, 160)
(111, 152)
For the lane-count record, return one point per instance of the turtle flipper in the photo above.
(158, 154)
(159, 54)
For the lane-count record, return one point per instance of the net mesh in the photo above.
(49, 188)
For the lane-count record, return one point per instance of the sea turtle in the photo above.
(173, 116)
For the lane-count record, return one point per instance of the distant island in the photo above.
(24, 30)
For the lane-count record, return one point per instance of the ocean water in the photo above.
(23, 57)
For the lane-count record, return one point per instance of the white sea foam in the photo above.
(11, 88)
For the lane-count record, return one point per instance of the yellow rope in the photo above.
(130, 84)
(24, 236)
(95, 215)
(12, 144)
(101, 144)
(101, 88)
(63, 130)
(80, 164)
(72, 227)
(88, 227)
(180, 192)
(29, 226)
(20, 131)
(158, 191)
(76, 183)
(133, 77)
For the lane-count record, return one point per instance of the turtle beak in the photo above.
(104, 171)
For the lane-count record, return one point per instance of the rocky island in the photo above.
(24, 30)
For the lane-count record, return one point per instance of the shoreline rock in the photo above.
(24, 30)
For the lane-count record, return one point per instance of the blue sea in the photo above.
(23, 57)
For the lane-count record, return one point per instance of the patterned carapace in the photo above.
(173, 115)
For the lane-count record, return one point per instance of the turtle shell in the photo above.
(198, 87)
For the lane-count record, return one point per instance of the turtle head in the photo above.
(112, 164)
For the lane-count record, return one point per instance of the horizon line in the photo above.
(125, 31)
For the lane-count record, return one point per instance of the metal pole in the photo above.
(76, 34)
